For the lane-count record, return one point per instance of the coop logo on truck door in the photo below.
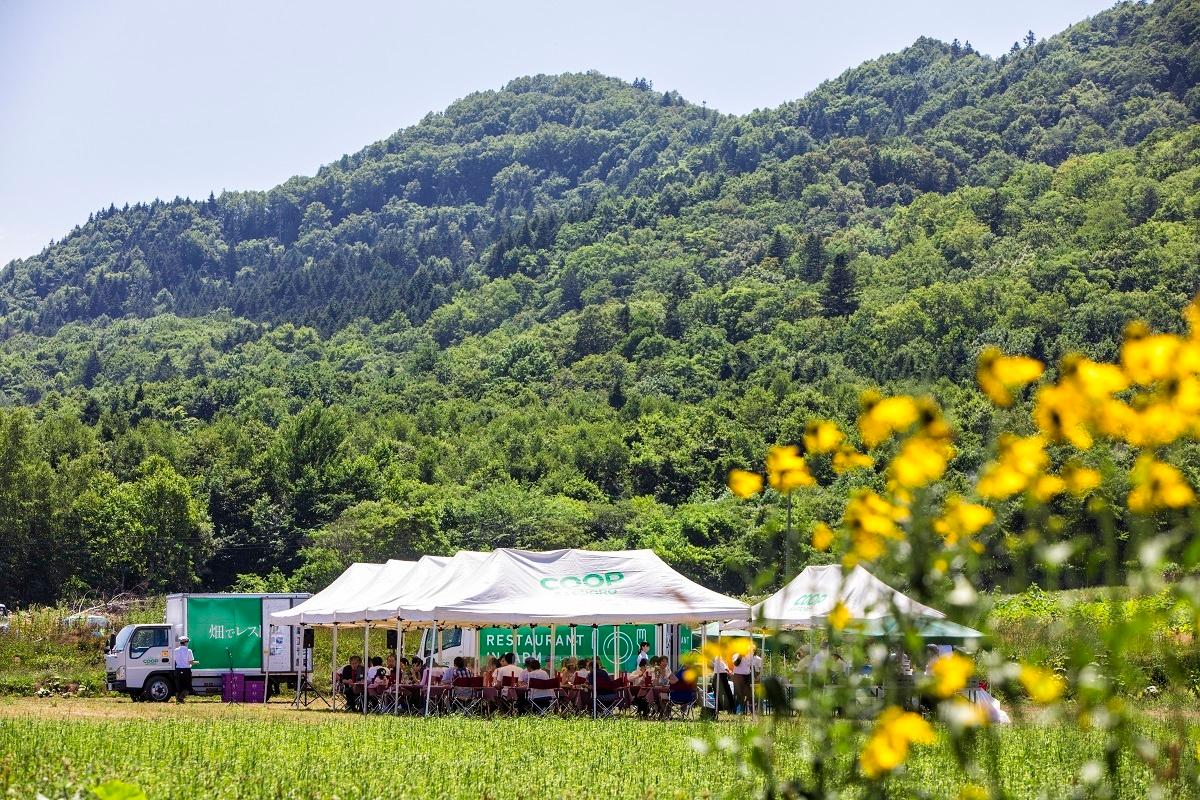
(591, 583)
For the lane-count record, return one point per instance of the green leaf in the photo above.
(118, 790)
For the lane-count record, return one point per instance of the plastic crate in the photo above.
(233, 688)
(255, 690)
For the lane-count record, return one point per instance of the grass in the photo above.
(204, 749)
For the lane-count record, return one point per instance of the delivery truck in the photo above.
(226, 635)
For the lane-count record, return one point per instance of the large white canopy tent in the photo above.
(808, 600)
(516, 587)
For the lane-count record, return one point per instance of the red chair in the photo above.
(542, 706)
(508, 694)
(466, 696)
(612, 696)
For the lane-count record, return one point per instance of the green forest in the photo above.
(556, 314)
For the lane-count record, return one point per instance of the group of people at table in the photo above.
(505, 685)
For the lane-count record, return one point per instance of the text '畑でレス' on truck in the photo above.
(226, 635)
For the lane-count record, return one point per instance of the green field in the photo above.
(205, 749)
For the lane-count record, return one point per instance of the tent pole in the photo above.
(753, 697)
(396, 672)
(333, 671)
(366, 661)
(572, 640)
(595, 658)
(299, 661)
(717, 708)
(704, 662)
(429, 671)
(616, 651)
(552, 665)
(267, 665)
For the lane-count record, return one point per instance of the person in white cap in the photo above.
(183, 661)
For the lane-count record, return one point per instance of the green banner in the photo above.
(225, 629)
(536, 643)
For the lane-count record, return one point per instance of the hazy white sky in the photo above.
(120, 101)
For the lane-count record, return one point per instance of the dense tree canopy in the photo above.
(556, 314)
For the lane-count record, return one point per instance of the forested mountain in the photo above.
(556, 314)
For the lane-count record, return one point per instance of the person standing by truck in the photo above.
(183, 661)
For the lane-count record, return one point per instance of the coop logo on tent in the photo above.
(809, 600)
(591, 583)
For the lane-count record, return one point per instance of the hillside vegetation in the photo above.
(556, 315)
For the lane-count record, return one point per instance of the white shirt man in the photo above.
(506, 671)
(743, 665)
(184, 658)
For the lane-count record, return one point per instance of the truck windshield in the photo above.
(123, 637)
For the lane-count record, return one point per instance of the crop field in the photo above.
(60, 747)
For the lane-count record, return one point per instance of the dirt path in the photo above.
(122, 708)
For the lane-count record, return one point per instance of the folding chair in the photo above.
(610, 697)
(507, 700)
(338, 700)
(544, 706)
(466, 696)
(681, 700)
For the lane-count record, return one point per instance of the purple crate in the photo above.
(254, 690)
(233, 688)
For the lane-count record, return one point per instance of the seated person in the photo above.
(391, 666)
(352, 675)
(459, 670)
(599, 676)
(508, 669)
(376, 665)
(377, 684)
(542, 698)
(416, 670)
(566, 671)
(683, 690)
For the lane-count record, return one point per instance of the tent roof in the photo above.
(810, 597)
(331, 604)
(521, 587)
(933, 631)
(431, 575)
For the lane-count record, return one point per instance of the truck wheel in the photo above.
(157, 689)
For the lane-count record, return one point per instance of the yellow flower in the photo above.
(961, 519)
(950, 674)
(887, 747)
(999, 374)
(1044, 686)
(883, 416)
(822, 436)
(1047, 487)
(847, 458)
(1020, 460)
(1093, 380)
(872, 520)
(1062, 413)
(1148, 357)
(744, 483)
(973, 791)
(1157, 485)
(822, 536)
(787, 470)
(1081, 480)
(920, 461)
(839, 617)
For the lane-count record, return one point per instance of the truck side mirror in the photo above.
(112, 641)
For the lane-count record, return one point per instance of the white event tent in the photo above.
(517, 587)
(809, 598)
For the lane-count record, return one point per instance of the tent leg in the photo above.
(333, 670)
(400, 651)
(717, 709)
(267, 665)
(303, 660)
(366, 662)
(595, 658)
(552, 665)
(572, 640)
(429, 671)
(616, 651)
(705, 664)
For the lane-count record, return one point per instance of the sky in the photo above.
(129, 100)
